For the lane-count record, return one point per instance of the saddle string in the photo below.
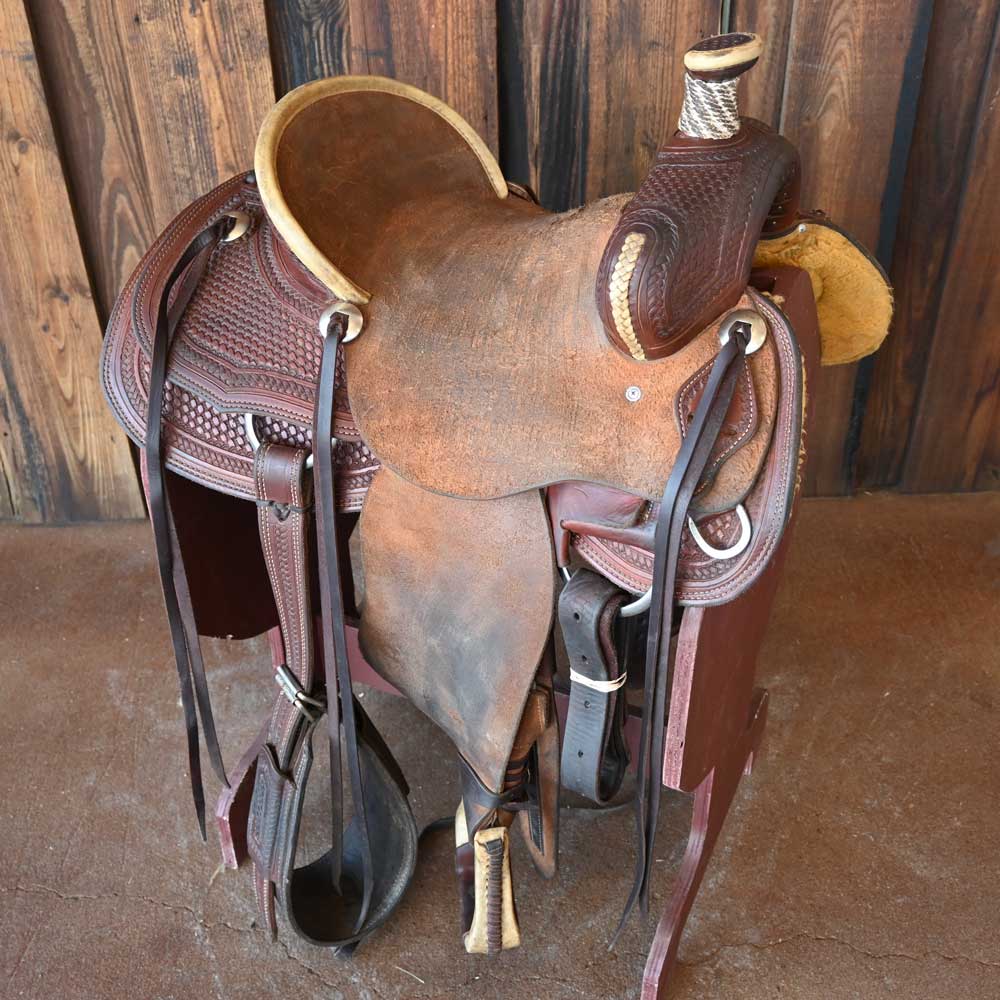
(195, 699)
(335, 660)
(681, 484)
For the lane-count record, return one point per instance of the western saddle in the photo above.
(537, 425)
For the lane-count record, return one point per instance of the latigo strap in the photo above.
(681, 485)
(594, 755)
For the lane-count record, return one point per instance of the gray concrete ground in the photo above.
(861, 859)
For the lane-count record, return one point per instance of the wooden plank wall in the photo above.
(116, 114)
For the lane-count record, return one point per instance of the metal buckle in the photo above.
(311, 708)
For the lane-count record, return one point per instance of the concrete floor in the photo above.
(861, 859)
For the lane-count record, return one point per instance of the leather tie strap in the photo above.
(336, 665)
(688, 468)
(173, 579)
(594, 754)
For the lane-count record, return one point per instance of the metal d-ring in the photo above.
(241, 223)
(746, 533)
(642, 602)
(255, 441)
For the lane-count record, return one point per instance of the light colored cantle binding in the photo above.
(494, 922)
(266, 165)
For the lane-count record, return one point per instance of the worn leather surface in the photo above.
(457, 609)
(594, 755)
(482, 310)
(613, 532)
(248, 342)
(486, 398)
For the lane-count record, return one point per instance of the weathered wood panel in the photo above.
(590, 91)
(935, 181)
(61, 455)
(446, 47)
(309, 40)
(200, 79)
(155, 104)
(762, 90)
(79, 51)
(954, 433)
(846, 109)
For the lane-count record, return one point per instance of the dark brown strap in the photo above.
(683, 481)
(173, 580)
(284, 521)
(335, 661)
(594, 754)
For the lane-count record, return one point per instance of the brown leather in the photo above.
(283, 519)
(248, 342)
(535, 385)
(595, 754)
(539, 823)
(698, 214)
(341, 897)
(369, 153)
(613, 532)
(492, 366)
(439, 617)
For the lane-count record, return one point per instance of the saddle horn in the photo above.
(676, 260)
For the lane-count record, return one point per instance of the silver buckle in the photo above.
(311, 708)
